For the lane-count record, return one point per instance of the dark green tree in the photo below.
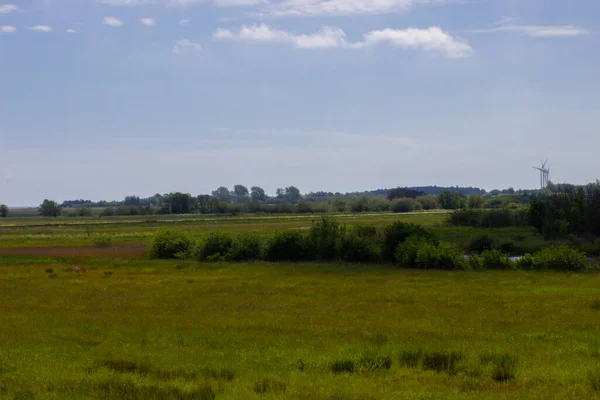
(258, 194)
(204, 204)
(241, 192)
(222, 193)
(3, 211)
(292, 194)
(449, 200)
(179, 203)
(49, 208)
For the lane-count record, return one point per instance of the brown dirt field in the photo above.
(130, 251)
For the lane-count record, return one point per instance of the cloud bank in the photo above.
(430, 39)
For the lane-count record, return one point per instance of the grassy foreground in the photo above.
(167, 330)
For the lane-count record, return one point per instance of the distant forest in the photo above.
(290, 194)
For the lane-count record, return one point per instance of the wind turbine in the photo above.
(544, 174)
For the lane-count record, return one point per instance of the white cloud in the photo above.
(327, 37)
(112, 21)
(308, 8)
(184, 22)
(540, 30)
(182, 3)
(125, 2)
(7, 29)
(180, 45)
(41, 28)
(432, 38)
(71, 31)
(8, 8)
(147, 21)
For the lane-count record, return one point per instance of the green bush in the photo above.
(323, 236)
(442, 361)
(505, 368)
(170, 244)
(495, 259)
(416, 252)
(102, 240)
(287, 246)
(343, 366)
(214, 247)
(560, 258)
(526, 262)
(402, 205)
(477, 218)
(353, 247)
(245, 246)
(431, 256)
(398, 232)
(407, 251)
(482, 243)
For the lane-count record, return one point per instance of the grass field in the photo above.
(78, 322)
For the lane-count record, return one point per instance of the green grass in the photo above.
(183, 330)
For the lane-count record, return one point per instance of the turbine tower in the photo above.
(544, 174)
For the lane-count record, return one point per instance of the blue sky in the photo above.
(102, 99)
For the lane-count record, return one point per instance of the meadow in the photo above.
(82, 322)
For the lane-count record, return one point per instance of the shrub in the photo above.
(102, 240)
(287, 246)
(323, 237)
(488, 218)
(428, 202)
(495, 259)
(402, 205)
(560, 258)
(108, 212)
(473, 261)
(339, 367)
(407, 251)
(398, 232)
(214, 247)
(169, 244)
(505, 368)
(353, 247)
(245, 246)
(442, 361)
(525, 262)
(378, 204)
(431, 256)
(481, 243)
(411, 358)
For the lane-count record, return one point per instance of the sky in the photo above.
(100, 99)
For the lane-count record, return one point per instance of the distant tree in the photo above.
(401, 193)
(131, 201)
(49, 208)
(449, 200)
(3, 211)
(204, 204)
(292, 194)
(280, 193)
(338, 205)
(222, 193)
(241, 192)
(179, 203)
(428, 202)
(258, 194)
(475, 201)
(84, 211)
